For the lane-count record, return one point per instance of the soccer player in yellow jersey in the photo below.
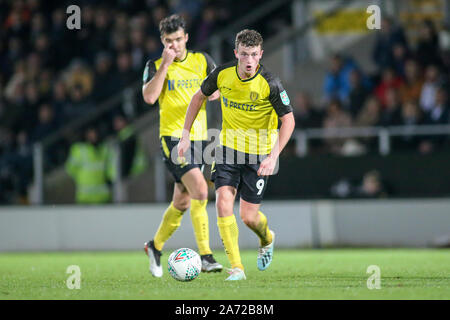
(252, 101)
(172, 80)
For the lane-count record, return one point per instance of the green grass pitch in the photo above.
(294, 274)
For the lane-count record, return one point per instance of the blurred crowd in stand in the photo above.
(51, 76)
(410, 87)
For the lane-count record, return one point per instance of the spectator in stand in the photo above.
(137, 49)
(371, 186)
(33, 66)
(16, 167)
(389, 80)
(121, 23)
(190, 8)
(102, 35)
(45, 84)
(46, 123)
(17, 78)
(60, 35)
(133, 158)
(391, 113)
(40, 59)
(207, 25)
(16, 23)
(87, 164)
(446, 63)
(153, 48)
(23, 164)
(79, 104)
(387, 37)
(158, 13)
(4, 64)
(38, 26)
(358, 93)
(104, 85)
(29, 114)
(80, 75)
(370, 114)
(400, 55)
(427, 50)
(336, 118)
(337, 80)
(16, 51)
(59, 99)
(16, 102)
(410, 116)
(429, 88)
(411, 88)
(119, 43)
(439, 114)
(306, 115)
(124, 75)
(43, 49)
(84, 37)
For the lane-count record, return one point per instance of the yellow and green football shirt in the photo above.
(250, 107)
(182, 81)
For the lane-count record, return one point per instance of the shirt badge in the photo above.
(285, 98)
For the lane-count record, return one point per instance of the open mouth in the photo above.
(248, 68)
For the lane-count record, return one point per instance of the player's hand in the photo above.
(183, 145)
(168, 55)
(267, 166)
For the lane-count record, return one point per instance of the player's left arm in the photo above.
(208, 87)
(281, 103)
(267, 166)
(192, 111)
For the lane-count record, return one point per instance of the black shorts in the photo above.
(193, 158)
(231, 171)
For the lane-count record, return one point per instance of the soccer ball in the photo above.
(184, 264)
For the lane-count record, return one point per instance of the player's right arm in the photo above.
(192, 111)
(154, 80)
(208, 88)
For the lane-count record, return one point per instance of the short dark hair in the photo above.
(249, 38)
(171, 24)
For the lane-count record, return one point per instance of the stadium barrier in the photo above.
(383, 134)
(298, 224)
(402, 175)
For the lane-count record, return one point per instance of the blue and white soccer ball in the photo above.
(184, 264)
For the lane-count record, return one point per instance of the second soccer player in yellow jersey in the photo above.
(172, 80)
(252, 101)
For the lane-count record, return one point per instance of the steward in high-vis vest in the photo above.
(87, 165)
(133, 157)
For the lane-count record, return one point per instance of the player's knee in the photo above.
(200, 193)
(249, 220)
(182, 203)
(224, 206)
